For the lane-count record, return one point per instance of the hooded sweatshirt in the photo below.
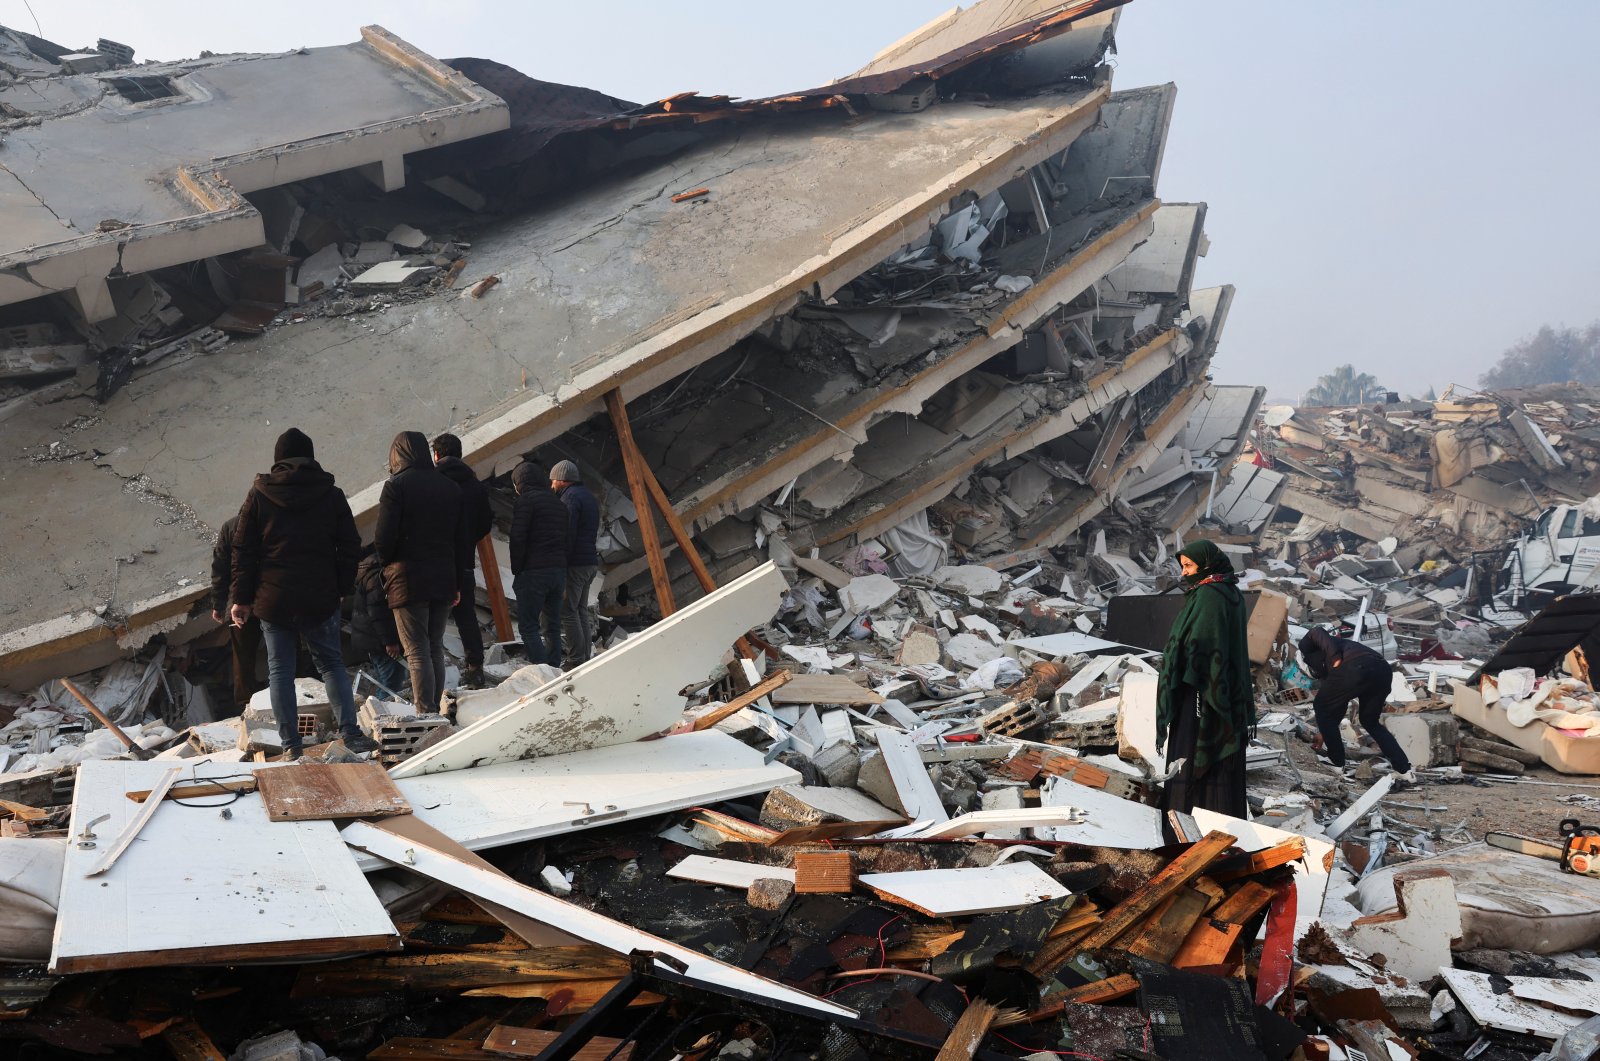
(538, 523)
(295, 545)
(420, 537)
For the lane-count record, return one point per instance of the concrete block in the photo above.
(867, 593)
(1415, 938)
(973, 580)
(1428, 738)
(839, 764)
(769, 893)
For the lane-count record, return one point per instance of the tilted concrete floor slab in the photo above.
(617, 286)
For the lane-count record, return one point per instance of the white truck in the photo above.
(1558, 553)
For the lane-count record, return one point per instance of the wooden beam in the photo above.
(508, 1041)
(1291, 850)
(969, 1032)
(633, 464)
(189, 1042)
(1212, 938)
(22, 812)
(496, 590)
(742, 701)
(1166, 929)
(196, 789)
(573, 996)
(434, 972)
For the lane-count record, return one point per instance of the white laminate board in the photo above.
(1360, 808)
(490, 806)
(196, 886)
(727, 872)
(568, 917)
(1110, 821)
(1005, 818)
(917, 793)
(959, 892)
(1137, 727)
(1310, 873)
(622, 695)
(1067, 644)
(1506, 1012)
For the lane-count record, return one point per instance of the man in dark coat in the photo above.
(243, 640)
(294, 556)
(538, 563)
(372, 630)
(583, 560)
(422, 542)
(1349, 670)
(479, 518)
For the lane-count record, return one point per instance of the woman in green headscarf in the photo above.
(1206, 699)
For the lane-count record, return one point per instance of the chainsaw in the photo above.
(1579, 853)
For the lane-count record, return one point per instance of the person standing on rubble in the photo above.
(479, 518)
(422, 540)
(294, 557)
(583, 560)
(538, 563)
(1205, 701)
(243, 640)
(372, 629)
(1348, 670)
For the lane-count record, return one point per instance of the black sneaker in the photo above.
(293, 752)
(360, 743)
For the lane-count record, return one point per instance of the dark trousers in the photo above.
(1368, 680)
(246, 644)
(322, 638)
(421, 626)
(577, 621)
(1221, 788)
(539, 593)
(466, 616)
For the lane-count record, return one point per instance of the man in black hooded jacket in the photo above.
(479, 518)
(538, 563)
(422, 541)
(294, 556)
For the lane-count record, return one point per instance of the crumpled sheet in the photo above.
(1564, 704)
(1002, 670)
(918, 551)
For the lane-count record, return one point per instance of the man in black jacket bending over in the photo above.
(1349, 670)
(538, 563)
(294, 556)
(422, 541)
(478, 517)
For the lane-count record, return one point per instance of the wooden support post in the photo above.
(680, 534)
(742, 701)
(633, 463)
(497, 592)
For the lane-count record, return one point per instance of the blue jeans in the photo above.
(538, 591)
(387, 672)
(282, 659)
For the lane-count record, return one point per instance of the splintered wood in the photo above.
(823, 873)
(308, 792)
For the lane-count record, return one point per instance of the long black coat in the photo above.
(372, 626)
(538, 523)
(475, 510)
(583, 525)
(222, 565)
(295, 545)
(420, 535)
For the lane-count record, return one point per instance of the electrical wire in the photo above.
(36, 25)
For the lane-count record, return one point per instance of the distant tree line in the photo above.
(1550, 355)
(1343, 386)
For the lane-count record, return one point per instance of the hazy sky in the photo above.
(1391, 184)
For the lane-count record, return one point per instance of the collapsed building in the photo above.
(913, 369)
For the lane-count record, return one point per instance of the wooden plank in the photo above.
(531, 1042)
(405, 1048)
(1212, 938)
(1122, 917)
(1291, 850)
(633, 465)
(308, 792)
(496, 590)
(824, 873)
(825, 689)
(189, 1042)
(22, 812)
(814, 834)
(969, 1031)
(572, 996)
(455, 972)
(919, 799)
(196, 790)
(207, 888)
(927, 941)
(569, 917)
(772, 681)
(1166, 929)
(620, 696)
(831, 575)
(158, 792)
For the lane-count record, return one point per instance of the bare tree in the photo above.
(1550, 355)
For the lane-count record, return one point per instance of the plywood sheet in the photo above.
(507, 803)
(824, 689)
(569, 917)
(305, 792)
(622, 695)
(958, 892)
(197, 887)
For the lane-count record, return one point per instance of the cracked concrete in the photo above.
(618, 285)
